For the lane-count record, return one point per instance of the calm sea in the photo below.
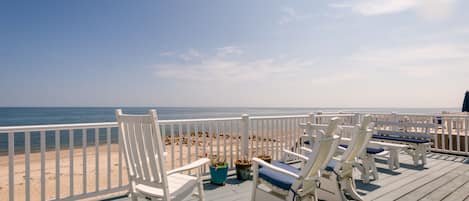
(13, 116)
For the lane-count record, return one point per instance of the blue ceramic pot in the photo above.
(218, 174)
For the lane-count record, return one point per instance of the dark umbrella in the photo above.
(465, 105)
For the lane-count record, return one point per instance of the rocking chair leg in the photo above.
(350, 189)
(133, 196)
(254, 188)
(200, 186)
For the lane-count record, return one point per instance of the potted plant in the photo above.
(243, 169)
(218, 170)
(265, 157)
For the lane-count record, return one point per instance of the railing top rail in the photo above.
(303, 125)
(424, 115)
(7, 129)
(173, 121)
(279, 117)
(335, 115)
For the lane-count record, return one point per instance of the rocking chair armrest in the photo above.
(196, 164)
(341, 149)
(258, 161)
(306, 149)
(287, 152)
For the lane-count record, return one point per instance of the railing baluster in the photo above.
(196, 131)
(27, 147)
(237, 139)
(57, 164)
(258, 133)
(204, 144)
(217, 137)
(210, 134)
(231, 143)
(11, 165)
(189, 141)
(224, 138)
(119, 141)
(270, 143)
(444, 123)
(108, 142)
(450, 134)
(262, 137)
(180, 143)
(71, 147)
(96, 141)
(466, 143)
(84, 144)
(172, 146)
(43, 165)
(458, 133)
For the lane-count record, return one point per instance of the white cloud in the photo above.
(379, 7)
(416, 61)
(167, 54)
(426, 9)
(224, 68)
(229, 50)
(338, 78)
(291, 14)
(229, 70)
(191, 54)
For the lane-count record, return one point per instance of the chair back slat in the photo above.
(359, 141)
(143, 149)
(127, 149)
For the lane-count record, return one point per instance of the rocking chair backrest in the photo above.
(321, 154)
(143, 149)
(359, 141)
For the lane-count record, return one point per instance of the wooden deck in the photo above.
(445, 177)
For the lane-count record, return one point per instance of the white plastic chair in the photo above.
(145, 160)
(289, 183)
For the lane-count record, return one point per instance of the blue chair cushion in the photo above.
(331, 165)
(278, 179)
(401, 139)
(368, 149)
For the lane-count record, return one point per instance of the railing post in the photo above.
(245, 135)
(357, 118)
(318, 120)
(312, 118)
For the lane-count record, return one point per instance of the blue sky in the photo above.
(358, 53)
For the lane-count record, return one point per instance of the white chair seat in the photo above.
(178, 184)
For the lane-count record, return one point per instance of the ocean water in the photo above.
(14, 116)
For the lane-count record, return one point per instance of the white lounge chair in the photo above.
(337, 178)
(145, 160)
(286, 182)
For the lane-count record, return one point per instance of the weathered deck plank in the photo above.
(450, 187)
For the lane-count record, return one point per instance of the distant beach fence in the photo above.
(71, 161)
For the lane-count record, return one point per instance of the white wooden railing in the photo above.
(59, 147)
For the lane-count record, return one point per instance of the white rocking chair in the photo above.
(286, 182)
(337, 178)
(145, 160)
